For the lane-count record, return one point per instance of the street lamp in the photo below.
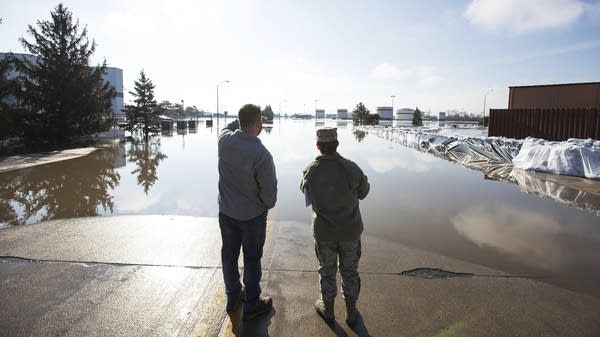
(316, 100)
(392, 96)
(226, 81)
(280, 108)
(484, 101)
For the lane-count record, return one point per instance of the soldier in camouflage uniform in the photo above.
(334, 185)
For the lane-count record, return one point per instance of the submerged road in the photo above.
(161, 276)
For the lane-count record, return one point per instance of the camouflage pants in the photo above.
(349, 254)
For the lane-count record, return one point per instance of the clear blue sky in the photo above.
(437, 55)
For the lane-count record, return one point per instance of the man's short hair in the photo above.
(248, 115)
(328, 147)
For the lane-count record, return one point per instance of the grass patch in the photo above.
(452, 330)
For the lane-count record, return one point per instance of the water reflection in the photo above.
(342, 123)
(576, 192)
(74, 188)
(359, 135)
(528, 235)
(146, 156)
(416, 199)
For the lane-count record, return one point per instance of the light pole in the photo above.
(484, 101)
(316, 100)
(226, 81)
(392, 96)
(280, 108)
(182, 109)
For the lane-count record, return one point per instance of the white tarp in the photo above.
(574, 157)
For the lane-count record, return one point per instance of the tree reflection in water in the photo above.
(146, 155)
(359, 135)
(66, 189)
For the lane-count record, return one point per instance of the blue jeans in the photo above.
(250, 236)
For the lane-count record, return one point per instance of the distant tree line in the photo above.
(462, 117)
(55, 100)
(178, 111)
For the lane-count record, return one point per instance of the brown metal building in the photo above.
(552, 112)
(555, 96)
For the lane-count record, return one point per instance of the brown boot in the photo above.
(351, 312)
(325, 310)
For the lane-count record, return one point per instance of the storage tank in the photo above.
(342, 113)
(385, 112)
(405, 114)
(319, 113)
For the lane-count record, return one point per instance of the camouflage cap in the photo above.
(326, 135)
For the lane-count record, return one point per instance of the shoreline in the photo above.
(18, 162)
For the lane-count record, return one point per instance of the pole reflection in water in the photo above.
(147, 156)
(73, 188)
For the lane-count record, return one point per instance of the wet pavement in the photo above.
(34, 159)
(160, 276)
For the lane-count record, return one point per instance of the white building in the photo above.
(385, 112)
(342, 113)
(319, 113)
(405, 114)
(114, 76)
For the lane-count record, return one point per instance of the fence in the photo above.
(550, 124)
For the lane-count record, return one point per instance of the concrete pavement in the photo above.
(33, 159)
(160, 276)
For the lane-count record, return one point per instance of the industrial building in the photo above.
(385, 112)
(114, 76)
(549, 111)
(554, 96)
(319, 113)
(342, 113)
(405, 114)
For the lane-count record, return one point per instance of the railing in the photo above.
(550, 124)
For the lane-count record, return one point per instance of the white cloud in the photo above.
(385, 163)
(519, 17)
(424, 76)
(531, 236)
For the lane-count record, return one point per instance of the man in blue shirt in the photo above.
(247, 190)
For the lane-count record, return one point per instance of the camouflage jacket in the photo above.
(335, 185)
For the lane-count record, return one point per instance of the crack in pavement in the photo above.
(426, 273)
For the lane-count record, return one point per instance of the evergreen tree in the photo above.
(417, 118)
(9, 125)
(65, 98)
(362, 116)
(267, 113)
(143, 116)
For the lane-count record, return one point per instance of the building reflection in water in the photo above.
(146, 156)
(66, 189)
(341, 124)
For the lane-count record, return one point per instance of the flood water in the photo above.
(416, 199)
